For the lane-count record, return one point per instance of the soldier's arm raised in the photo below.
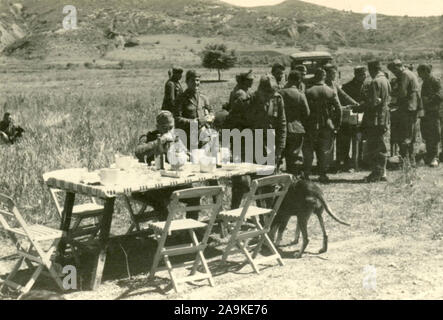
(346, 98)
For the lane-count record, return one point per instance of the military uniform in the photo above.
(297, 112)
(325, 117)
(432, 96)
(239, 101)
(269, 114)
(353, 89)
(409, 106)
(158, 199)
(191, 106)
(376, 123)
(173, 90)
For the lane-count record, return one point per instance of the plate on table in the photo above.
(230, 166)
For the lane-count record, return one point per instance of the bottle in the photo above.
(159, 157)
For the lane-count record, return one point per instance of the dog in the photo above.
(302, 199)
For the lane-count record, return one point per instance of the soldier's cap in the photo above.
(329, 67)
(245, 76)
(165, 118)
(301, 68)
(359, 69)
(267, 83)
(397, 62)
(177, 69)
(192, 74)
(374, 65)
(277, 66)
(391, 66)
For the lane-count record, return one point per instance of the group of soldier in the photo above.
(306, 114)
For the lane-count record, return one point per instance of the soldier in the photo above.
(409, 110)
(9, 133)
(303, 71)
(376, 121)
(395, 137)
(324, 120)
(267, 112)
(154, 143)
(355, 90)
(297, 112)
(191, 106)
(239, 101)
(432, 96)
(278, 71)
(173, 89)
(330, 81)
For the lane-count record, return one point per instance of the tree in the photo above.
(217, 56)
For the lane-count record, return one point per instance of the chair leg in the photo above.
(248, 256)
(197, 257)
(273, 249)
(171, 274)
(31, 281)
(12, 273)
(156, 261)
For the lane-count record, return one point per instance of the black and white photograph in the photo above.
(221, 150)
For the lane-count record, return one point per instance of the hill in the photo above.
(33, 28)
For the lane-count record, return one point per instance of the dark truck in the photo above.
(311, 60)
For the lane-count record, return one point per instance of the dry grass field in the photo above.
(82, 117)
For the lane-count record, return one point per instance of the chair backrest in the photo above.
(213, 194)
(56, 195)
(10, 214)
(267, 192)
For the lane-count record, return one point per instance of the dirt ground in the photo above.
(381, 256)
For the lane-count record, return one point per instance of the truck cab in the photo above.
(311, 60)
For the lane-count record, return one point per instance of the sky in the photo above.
(389, 7)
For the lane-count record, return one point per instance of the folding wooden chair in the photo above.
(20, 232)
(143, 214)
(91, 211)
(163, 229)
(268, 193)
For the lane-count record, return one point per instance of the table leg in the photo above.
(105, 229)
(66, 220)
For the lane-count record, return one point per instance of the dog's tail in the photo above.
(329, 211)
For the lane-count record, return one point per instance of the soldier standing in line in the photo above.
(432, 97)
(323, 122)
(343, 99)
(297, 113)
(376, 121)
(303, 71)
(354, 89)
(278, 71)
(239, 105)
(266, 112)
(173, 89)
(409, 110)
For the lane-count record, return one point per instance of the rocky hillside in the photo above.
(33, 28)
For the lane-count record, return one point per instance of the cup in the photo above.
(109, 175)
(197, 155)
(123, 162)
(207, 164)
